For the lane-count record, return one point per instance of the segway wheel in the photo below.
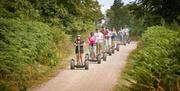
(104, 56)
(117, 47)
(110, 52)
(113, 51)
(99, 59)
(128, 41)
(72, 65)
(124, 44)
(86, 64)
(87, 57)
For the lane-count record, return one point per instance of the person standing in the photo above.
(114, 37)
(104, 31)
(92, 45)
(122, 34)
(109, 36)
(126, 33)
(99, 41)
(79, 49)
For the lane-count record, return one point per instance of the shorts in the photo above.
(81, 50)
(92, 48)
(113, 43)
(99, 45)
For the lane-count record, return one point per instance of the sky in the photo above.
(106, 4)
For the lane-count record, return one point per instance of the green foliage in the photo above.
(156, 64)
(173, 26)
(25, 46)
(120, 15)
(155, 10)
(35, 36)
(63, 13)
(136, 26)
(78, 26)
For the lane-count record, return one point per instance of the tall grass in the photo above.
(155, 67)
(28, 49)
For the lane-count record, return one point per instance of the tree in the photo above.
(117, 3)
(154, 11)
(118, 15)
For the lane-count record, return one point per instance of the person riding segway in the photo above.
(105, 32)
(92, 48)
(99, 45)
(79, 50)
(110, 49)
(114, 37)
(126, 30)
(122, 36)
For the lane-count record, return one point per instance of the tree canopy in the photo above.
(120, 15)
(153, 11)
(61, 13)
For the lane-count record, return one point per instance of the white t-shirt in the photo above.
(126, 31)
(122, 32)
(99, 36)
(109, 33)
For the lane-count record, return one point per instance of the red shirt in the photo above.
(105, 33)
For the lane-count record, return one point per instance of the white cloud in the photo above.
(127, 1)
(103, 9)
(105, 4)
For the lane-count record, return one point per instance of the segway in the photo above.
(109, 51)
(114, 41)
(104, 57)
(118, 43)
(74, 64)
(117, 47)
(89, 58)
(102, 54)
(113, 49)
(124, 43)
(128, 41)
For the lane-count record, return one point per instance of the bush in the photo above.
(26, 48)
(156, 65)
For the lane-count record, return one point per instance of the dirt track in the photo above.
(99, 77)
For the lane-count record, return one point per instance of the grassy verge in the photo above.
(30, 51)
(155, 64)
(50, 73)
(122, 84)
